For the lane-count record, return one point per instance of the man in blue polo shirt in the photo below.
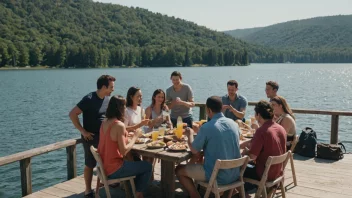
(219, 139)
(234, 104)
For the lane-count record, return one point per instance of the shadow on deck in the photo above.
(316, 178)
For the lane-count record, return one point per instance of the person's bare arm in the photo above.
(240, 114)
(189, 133)
(189, 103)
(74, 113)
(245, 144)
(287, 124)
(119, 132)
(143, 123)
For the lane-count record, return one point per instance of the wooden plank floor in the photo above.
(316, 178)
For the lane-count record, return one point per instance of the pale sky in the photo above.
(237, 14)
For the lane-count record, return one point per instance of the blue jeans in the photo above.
(142, 170)
(188, 120)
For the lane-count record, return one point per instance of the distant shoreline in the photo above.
(47, 67)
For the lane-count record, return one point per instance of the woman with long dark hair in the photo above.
(155, 111)
(113, 147)
(134, 115)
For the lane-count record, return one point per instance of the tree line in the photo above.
(91, 56)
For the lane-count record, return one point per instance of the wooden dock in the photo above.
(316, 178)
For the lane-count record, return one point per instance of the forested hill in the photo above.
(83, 33)
(330, 35)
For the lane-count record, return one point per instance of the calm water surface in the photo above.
(35, 105)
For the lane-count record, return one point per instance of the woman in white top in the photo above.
(155, 110)
(134, 112)
(284, 117)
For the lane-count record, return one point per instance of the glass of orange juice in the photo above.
(155, 135)
(178, 132)
(201, 122)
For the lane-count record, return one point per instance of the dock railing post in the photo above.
(26, 176)
(202, 113)
(334, 135)
(71, 162)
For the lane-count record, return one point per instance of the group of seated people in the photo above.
(218, 138)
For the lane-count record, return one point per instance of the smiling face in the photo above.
(108, 90)
(159, 98)
(231, 90)
(137, 98)
(277, 108)
(176, 80)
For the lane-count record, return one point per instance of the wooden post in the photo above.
(334, 135)
(167, 182)
(202, 113)
(71, 162)
(26, 176)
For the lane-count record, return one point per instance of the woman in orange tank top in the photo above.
(113, 147)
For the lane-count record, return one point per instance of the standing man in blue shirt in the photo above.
(234, 104)
(219, 139)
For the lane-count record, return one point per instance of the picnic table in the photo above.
(168, 161)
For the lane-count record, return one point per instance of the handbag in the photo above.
(330, 151)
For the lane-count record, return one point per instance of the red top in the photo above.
(109, 151)
(268, 140)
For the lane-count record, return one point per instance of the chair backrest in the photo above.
(100, 168)
(228, 164)
(294, 143)
(272, 160)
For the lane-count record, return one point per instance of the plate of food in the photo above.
(141, 140)
(168, 138)
(169, 132)
(178, 146)
(156, 145)
(146, 135)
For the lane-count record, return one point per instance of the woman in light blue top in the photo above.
(155, 110)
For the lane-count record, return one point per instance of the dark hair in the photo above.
(214, 103)
(130, 93)
(176, 73)
(273, 84)
(264, 109)
(282, 101)
(232, 82)
(116, 108)
(104, 80)
(156, 92)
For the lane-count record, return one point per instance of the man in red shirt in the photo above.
(268, 140)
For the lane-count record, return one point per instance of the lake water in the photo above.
(35, 105)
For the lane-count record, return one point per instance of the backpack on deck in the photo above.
(306, 145)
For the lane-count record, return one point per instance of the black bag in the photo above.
(307, 143)
(330, 151)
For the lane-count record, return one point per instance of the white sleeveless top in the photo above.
(133, 117)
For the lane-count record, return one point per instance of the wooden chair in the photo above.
(263, 183)
(102, 176)
(212, 185)
(293, 145)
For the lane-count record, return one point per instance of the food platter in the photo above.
(178, 147)
(142, 140)
(156, 145)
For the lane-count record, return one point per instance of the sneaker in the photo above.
(89, 195)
